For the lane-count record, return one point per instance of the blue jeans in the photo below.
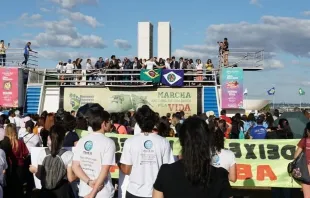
(26, 59)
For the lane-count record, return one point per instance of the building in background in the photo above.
(164, 40)
(145, 40)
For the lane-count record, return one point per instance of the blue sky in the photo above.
(62, 29)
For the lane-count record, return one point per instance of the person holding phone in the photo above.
(3, 49)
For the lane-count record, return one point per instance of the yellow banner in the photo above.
(261, 163)
(162, 100)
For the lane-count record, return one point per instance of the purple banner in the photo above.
(232, 88)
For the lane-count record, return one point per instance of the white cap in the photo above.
(17, 112)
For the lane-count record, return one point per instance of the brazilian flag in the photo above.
(153, 75)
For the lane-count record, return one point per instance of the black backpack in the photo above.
(53, 171)
(298, 169)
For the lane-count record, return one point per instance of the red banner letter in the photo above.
(244, 172)
(265, 171)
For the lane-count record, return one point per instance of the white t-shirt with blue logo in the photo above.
(94, 151)
(224, 159)
(146, 153)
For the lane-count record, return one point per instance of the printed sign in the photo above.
(232, 88)
(163, 100)
(260, 163)
(9, 87)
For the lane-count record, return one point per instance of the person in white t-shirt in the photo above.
(150, 64)
(31, 139)
(143, 155)
(93, 156)
(11, 117)
(17, 119)
(224, 158)
(22, 131)
(69, 67)
(3, 167)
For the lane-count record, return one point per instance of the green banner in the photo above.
(260, 163)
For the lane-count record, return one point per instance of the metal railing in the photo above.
(246, 58)
(116, 78)
(14, 57)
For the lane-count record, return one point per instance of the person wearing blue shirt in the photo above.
(27, 49)
(259, 131)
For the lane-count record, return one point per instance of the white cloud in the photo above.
(256, 2)
(78, 16)
(62, 40)
(306, 83)
(64, 34)
(122, 44)
(273, 63)
(306, 13)
(45, 10)
(57, 55)
(26, 16)
(273, 34)
(72, 3)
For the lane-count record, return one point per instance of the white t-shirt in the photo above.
(3, 166)
(94, 151)
(69, 68)
(146, 154)
(66, 158)
(12, 120)
(150, 64)
(199, 66)
(22, 132)
(17, 121)
(32, 140)
(225, 159)
(137, 129)
(61, 68)
(89, 67)
(167, 65)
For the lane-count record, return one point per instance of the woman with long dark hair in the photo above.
(55, 143)
(193, 176)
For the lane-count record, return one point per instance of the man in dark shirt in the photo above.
(174, 64)
(100, 63)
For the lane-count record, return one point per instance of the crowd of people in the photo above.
(96, 73)
(147, 158)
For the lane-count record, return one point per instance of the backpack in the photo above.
(53, 171)
(298, 169)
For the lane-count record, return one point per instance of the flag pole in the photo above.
(300, 102)
(273, 99)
